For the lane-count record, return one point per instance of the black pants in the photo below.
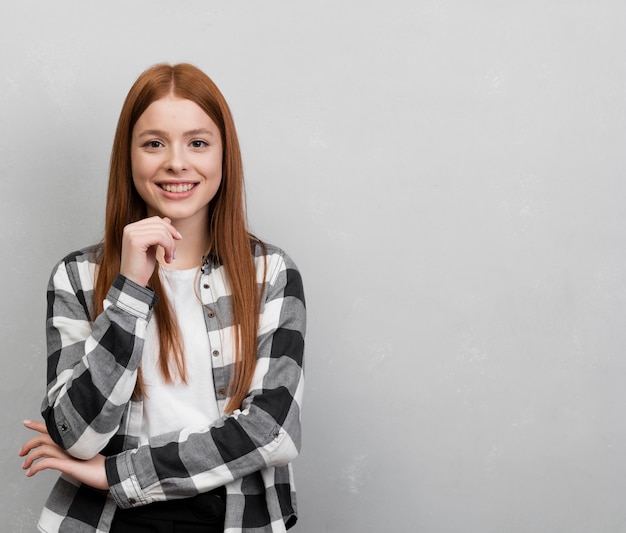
(201, 514)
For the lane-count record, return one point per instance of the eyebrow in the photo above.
(161, 133)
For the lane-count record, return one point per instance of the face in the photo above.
(176, 160)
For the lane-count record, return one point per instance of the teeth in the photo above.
(181, 187)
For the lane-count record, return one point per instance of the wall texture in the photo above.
(449, 176)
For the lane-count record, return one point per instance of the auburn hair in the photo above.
(230, 240)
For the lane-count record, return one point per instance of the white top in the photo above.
(173, 406)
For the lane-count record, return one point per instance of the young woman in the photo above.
(175, 347)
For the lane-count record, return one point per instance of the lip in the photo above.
(178, 189)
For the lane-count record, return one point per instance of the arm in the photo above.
(264, 432)
(41, 453)
(92, 366)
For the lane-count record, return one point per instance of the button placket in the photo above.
(215, 347)
(215, 343)
(208, 286)
(206, 295)
(205, 290)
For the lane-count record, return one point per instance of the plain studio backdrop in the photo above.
(449, 175)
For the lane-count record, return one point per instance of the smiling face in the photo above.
(176, 160)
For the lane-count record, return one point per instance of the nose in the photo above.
(176, 161)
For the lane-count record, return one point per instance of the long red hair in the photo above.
(230, 239)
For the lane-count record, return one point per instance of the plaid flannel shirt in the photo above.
(90, 408)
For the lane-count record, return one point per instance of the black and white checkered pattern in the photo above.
(90, 408)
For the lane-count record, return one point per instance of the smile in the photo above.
(180, 187)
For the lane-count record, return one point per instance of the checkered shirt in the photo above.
(90, 408)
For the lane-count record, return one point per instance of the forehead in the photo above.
(174, 114)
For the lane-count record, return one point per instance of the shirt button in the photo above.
(216, 353)
(222, 392)
(64, 427)
(210, 314)
(132, 501)
(206, 285)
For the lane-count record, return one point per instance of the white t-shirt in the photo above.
(173, 406)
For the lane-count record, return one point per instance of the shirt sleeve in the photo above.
(92, 365)
(265, 432)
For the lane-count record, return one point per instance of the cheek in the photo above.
(134, 168)
(140, 179)
(137, 178)
(140, 170)
(218, 167)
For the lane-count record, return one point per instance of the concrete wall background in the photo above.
(449, 176)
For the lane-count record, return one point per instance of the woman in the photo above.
(175, 347)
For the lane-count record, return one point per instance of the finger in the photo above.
(169, 249)
(35, 442)
(175, 233)
(51, 463)
(45, 451)
(158, 221)
(150, 232)
(139, 244)
(91, 472)
(36, 426)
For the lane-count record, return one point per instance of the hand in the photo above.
(139, 247)
(43, 453)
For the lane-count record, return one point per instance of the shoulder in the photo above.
(89, 254)
(79, 266)
(274, 258)
(279, 271)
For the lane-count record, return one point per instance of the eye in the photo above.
(197, 143)
(153, 144)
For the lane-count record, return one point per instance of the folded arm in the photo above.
(265, 432)
(92, 363)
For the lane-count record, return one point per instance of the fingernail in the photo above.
(27, 421)
(179, 235)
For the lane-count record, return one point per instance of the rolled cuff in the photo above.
(131, 297)
(123, 483)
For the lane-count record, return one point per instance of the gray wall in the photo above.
(448, 174)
